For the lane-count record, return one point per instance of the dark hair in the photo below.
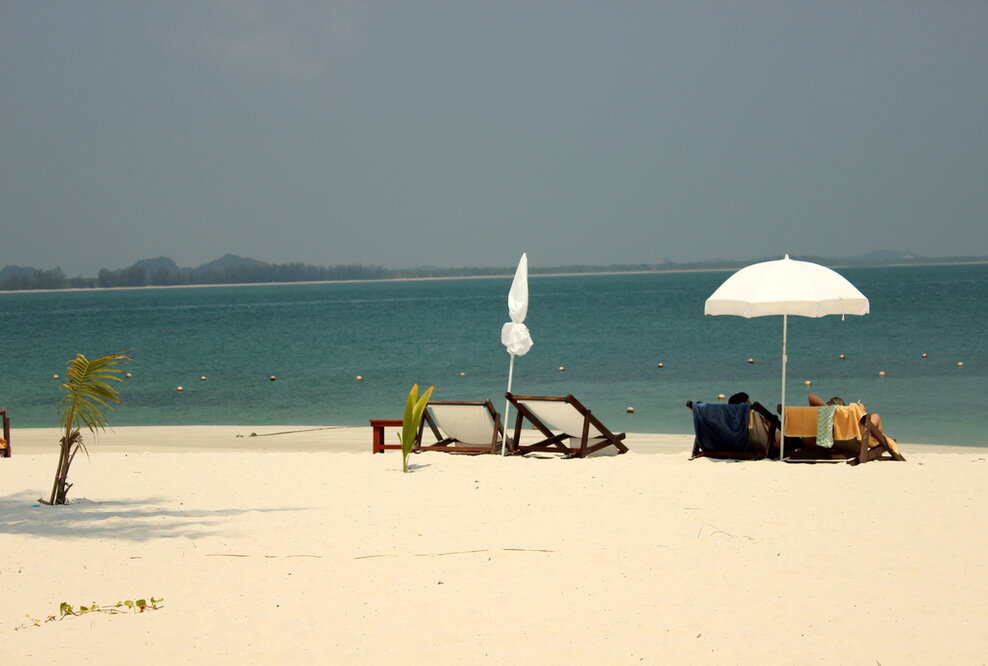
(836, 400)
(738, 398)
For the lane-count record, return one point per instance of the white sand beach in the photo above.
(303, 546)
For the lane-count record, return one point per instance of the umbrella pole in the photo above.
(507, 405)
(782, 419)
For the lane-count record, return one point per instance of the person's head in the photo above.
(836, 400)
(738, 398)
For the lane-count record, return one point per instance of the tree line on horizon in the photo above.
(163, 272)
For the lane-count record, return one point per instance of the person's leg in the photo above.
(876, 419)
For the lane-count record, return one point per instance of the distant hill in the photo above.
(229, 261)
(160, 263)
(233, 269)
(885, 256)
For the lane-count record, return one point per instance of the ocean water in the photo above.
(609, 332)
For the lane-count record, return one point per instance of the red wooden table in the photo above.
(378, 426)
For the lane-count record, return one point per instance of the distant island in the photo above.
(231, 269)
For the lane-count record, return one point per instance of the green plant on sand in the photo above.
(414, 408)
(87, 392)
(66, 609)
(139, 606)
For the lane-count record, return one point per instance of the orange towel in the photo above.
(3, 443)
(801, 421)
(847, 421)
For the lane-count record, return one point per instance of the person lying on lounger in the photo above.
(759, 428)
(735, 399)
(816, 401)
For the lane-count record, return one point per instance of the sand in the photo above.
(283, 548)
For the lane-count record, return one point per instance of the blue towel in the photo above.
(721, 427)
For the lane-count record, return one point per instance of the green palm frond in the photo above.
(414, 408)
(88, 390)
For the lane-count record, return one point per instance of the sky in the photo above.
(463, 133)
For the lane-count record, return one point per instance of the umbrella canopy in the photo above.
(786, 287)
(514, 334)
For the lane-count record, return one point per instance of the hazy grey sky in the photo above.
(462, 133)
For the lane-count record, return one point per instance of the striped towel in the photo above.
(825, 426)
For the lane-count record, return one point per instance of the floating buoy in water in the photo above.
(807, 383)
(179, 389)
(463, 374)
(203, 378)
(54, 376)
(881, 373)
(751, 360)
(925, 355)
(359, 378)
(272, 378)
(129, 375)
(562, 368)
(660, 365)
(960, 364)
(842, 357)
(721, 396)
(630, 410)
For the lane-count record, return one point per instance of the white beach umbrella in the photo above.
(786, 287)
(514, 334)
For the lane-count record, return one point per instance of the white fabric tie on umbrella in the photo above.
(514, 334)
(786, 287)
(516, 338)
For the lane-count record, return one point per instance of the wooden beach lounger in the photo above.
(568, 427)
(461, 427)
(744, 431)
(5, 444)
(853, 433)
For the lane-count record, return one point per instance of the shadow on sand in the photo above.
(133, 520)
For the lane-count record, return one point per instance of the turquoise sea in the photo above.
(609, 332)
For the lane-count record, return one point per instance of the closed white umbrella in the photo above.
(786, 287)
(514, 334)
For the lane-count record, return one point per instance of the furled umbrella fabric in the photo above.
(514, 334)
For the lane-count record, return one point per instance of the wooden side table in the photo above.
(378, 426)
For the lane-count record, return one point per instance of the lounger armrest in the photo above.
(5, 431)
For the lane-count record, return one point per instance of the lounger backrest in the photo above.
(469, 424)
(757, 429)
(562, 417)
